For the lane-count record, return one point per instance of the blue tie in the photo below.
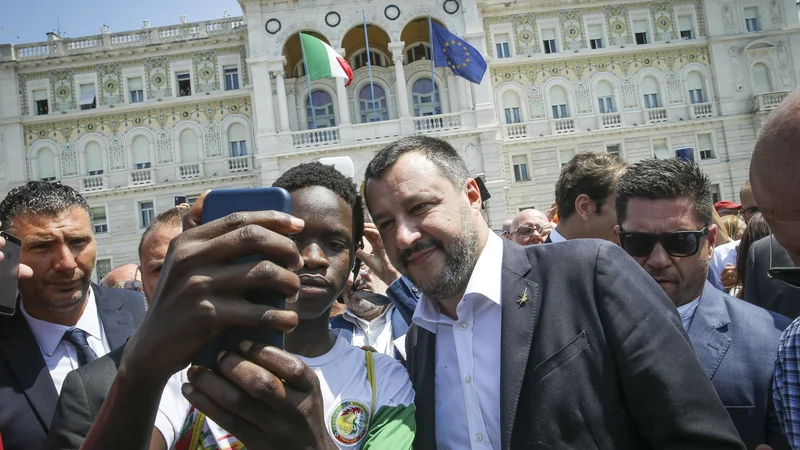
(77, 338)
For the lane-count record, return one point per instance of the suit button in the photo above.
(479, 437)
(462, 327)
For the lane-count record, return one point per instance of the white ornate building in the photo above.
(133, 119)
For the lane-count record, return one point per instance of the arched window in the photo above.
(605, 97)
(189, 153)
(417, 52)
(369, 112)
(141, 152)
(323, 109)
(360, 59)
(762, 83)
(558, 102)
(237, 135)
(511, 107)
(696, 92)
(423, 96)
(94, 158)
(650, 92)
(47, 164)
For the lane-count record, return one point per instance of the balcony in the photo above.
(701, 110)
(515, 131)
(189, 171)
(768, 101)
(609, 121)
(440, 122)
(93, 183)
(315, 138)
(563, 126)
(140, 177)
(240, 164)
(656, 115)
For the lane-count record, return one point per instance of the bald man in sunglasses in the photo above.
(665, 215)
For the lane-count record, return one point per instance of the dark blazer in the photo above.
(27, 394)
(736, 344)
(766, 292)
(596, 358)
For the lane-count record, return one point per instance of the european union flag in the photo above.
(451, 51)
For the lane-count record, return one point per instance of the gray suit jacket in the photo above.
(27, 394)
(736, 344)
(763, 291)
(596, 358)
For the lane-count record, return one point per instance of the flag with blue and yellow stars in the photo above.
(451, 51)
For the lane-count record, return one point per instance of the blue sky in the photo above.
(28, 21)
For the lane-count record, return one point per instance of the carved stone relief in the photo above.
(736, 69)
(69, 160)
(213, 148)
(116, 152)
(164, 146)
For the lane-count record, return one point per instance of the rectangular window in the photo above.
(503, 50)
(685, 25)
(613, 148)
(520, 163)
(184, 84)
(706, 146)
(136, 90)
(751, 19)
(190, 199)
(146, 213)
(231, 78)
(596, 36)
(99, 221)
(606, 105)
(560, 112)
(40, 100)
(512, 115)
(716, 193)
(651, 101)
(87, 98)
(696, 96)
(660, 149)
(238, 148)
(566, 156)
(641, 32)
(549, 41)
(144, 165)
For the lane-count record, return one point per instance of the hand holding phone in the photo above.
(10, 269)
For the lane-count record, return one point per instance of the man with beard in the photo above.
(63, 321)
(546, 346)
(666, 224)
(379, 303)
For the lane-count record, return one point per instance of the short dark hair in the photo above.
(318, 174)
(172, 217)
(437, 151)
(659, 179)
(592, 174)
(40, 198)
(757, 229)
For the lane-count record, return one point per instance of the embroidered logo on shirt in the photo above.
(349, 421)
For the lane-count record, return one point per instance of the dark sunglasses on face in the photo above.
(788, 275)
(679, 244)
(527, 231)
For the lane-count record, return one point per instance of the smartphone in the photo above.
(220, 203)
(180, 199)
(9, 270)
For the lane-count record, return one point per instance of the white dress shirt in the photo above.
(60, 356)
(687, 312)
(467, 380)
(377, 333)
(555, 236)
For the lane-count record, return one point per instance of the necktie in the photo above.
(77, 338)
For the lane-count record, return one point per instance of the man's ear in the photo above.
(585, 207)
(473, 193)
(712, 240)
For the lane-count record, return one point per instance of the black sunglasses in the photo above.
(788, 275)
(679, 244)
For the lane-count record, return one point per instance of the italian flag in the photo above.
(323, 62)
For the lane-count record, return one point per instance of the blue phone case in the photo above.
(218, 204)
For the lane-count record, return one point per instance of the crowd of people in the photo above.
(634, 313)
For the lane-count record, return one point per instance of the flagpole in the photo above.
(433, 80)
(308, 79)
(369, 64)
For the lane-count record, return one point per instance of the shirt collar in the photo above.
(361, 323)
(48, 335)
(687, 311)
(485, 281)
(555, 236)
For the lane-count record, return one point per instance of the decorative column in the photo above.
(484, 104)
(401, 93)
(291, 98)
(453, 92)
(341, 97)
(262, 96)
(276, 68)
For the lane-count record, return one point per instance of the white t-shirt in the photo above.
(346, 395)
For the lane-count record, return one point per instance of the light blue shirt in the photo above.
(687, 312)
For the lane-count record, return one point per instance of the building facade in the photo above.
(134, 119)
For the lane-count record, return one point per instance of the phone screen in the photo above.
(9, 268)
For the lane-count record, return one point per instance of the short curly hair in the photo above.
(40, 198)
(318, 174)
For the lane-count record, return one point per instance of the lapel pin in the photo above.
(523, 298)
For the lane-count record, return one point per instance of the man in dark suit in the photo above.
(762, 290)
(547, 346)
(86, 388)
(585, 197)
(63, 321)
(666, 225)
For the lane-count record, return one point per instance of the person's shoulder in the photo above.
(574, 249)
(392, 381)
(754, 317)
(106, 364)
